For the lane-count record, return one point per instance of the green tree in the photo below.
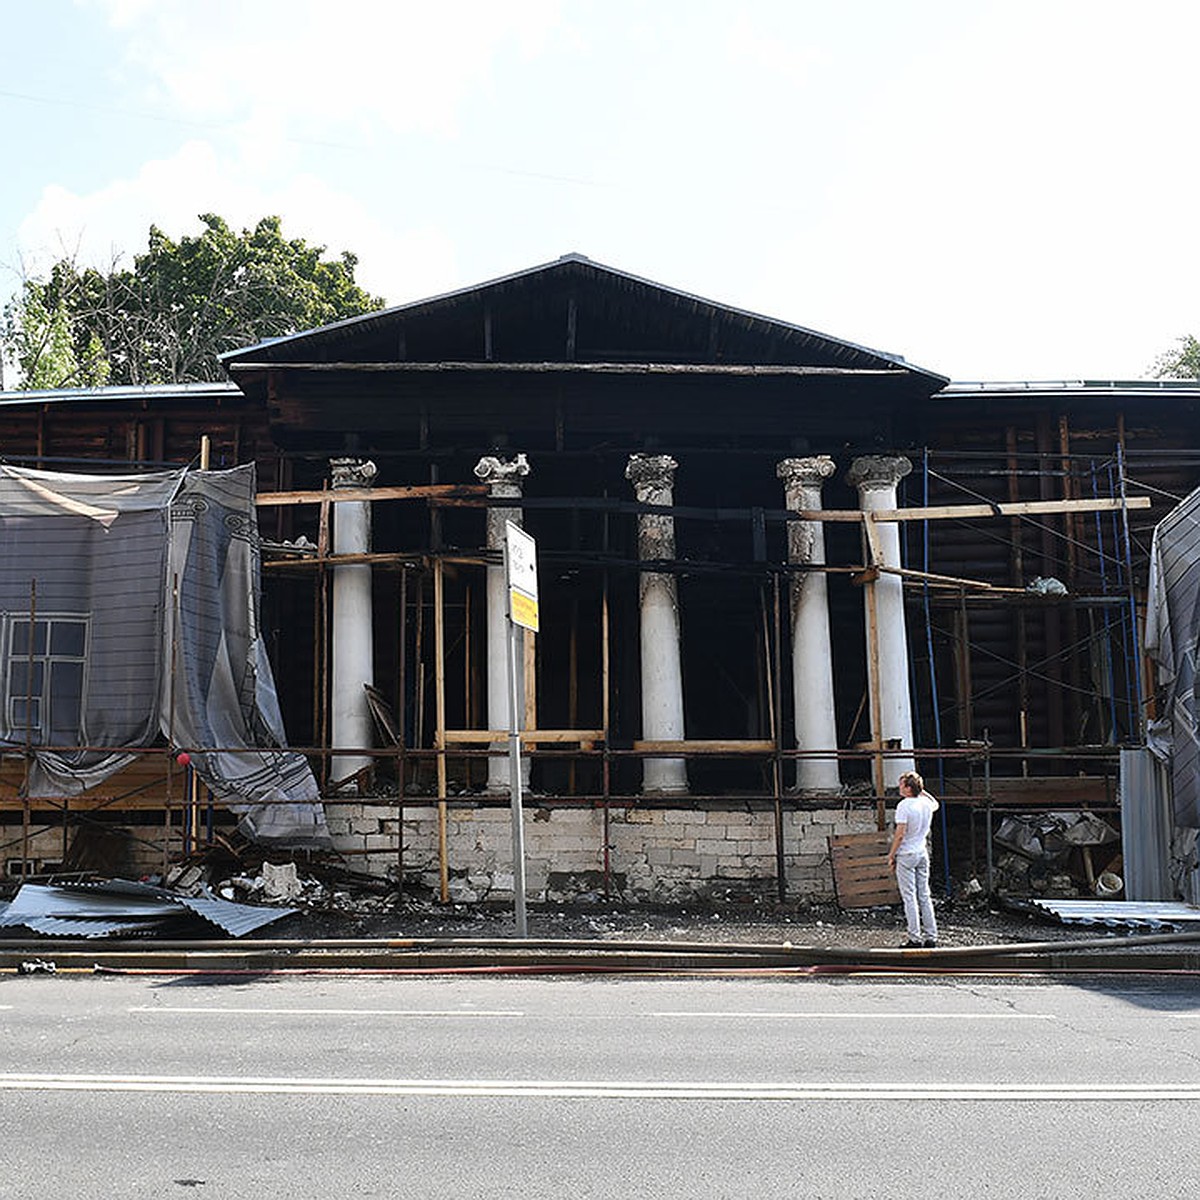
(38, 334)
(1183, 362)
(182, 304)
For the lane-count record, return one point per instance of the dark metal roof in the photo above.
(1058, 388)
(144, 394)
(580, 267)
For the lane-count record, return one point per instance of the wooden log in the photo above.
(423, 491)
(529, 659)
(548, 737)
(605, 685)
(957, 512)
(1026, 508)
(951, 580)
(875, 697)
(439, 737)
(707, 746)
(749, 370)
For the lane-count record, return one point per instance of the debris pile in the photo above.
(325, 888)
(1050, 854)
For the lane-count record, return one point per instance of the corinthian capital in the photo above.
(877, 472)
(503, 476)
(652, 476)
(352, 472)
(808, 474)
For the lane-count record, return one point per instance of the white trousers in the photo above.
(912, 878)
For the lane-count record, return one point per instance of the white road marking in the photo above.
(211, 1010)
(862, 1016)
(208, 1010)
(610, 1090)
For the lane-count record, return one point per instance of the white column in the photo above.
(812, 663)
(504, 482)
(652, 476)
(353, 630)
(876, 477)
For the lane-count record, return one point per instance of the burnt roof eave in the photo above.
(592, 368)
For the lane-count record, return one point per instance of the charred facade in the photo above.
(1015, 694)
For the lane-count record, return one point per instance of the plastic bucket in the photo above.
(1108, 884)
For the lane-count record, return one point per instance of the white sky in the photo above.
(997, 190)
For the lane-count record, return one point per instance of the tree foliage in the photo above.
(182, 304)
(1183, 362)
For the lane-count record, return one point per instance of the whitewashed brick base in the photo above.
(45, 849)
(656, 855)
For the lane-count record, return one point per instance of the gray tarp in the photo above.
(91, 568)
(85, 557)
(222, 692)
(1172, 634)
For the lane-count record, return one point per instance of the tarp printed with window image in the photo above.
(1173, 641)
(88, 568)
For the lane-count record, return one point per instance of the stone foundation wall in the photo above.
(656, 855)
(45, 848)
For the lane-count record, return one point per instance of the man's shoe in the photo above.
(911, 945)
(930, 943)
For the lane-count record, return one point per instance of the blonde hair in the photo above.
(913, 780)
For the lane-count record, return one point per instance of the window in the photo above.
(45, 684)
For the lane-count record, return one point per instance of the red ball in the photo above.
(183, 758)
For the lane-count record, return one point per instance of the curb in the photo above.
(1156, 955)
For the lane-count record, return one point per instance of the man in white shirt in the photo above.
(909, 858)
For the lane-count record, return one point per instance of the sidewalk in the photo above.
(435, 939)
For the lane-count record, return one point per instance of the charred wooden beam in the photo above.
(341, 495)
(748, 370)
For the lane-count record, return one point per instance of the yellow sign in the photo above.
(520, 566)
(524, 609)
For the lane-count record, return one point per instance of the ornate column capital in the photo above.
(652, 475)
(877, 472)
(809, 472)
(802, 482)
(503, 476)
(352, 472)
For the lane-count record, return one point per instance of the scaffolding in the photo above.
(428, 754)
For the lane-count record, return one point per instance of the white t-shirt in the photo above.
(915, 813)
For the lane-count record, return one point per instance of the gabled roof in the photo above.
(572, 310)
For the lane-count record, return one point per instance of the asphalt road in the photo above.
(471, 1087)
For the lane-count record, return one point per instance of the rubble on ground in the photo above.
(322, 897)
(1050, 854)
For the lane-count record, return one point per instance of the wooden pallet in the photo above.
(861, 876)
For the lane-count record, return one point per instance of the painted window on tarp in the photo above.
(46, 683)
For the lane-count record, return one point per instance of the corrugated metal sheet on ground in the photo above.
(236, 919)
(1119, 913)
(120, 906)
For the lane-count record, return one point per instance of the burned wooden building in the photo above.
(733, 664)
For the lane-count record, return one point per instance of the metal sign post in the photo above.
(520, 570)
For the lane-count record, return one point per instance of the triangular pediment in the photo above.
(572, 310)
